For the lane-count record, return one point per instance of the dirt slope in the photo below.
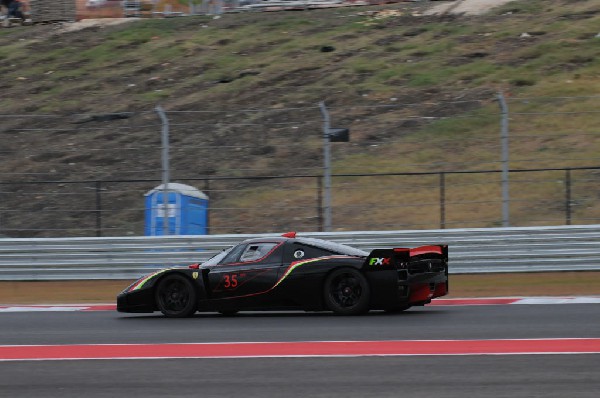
(243, 91)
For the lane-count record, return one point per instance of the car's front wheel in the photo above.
(347, 292)
(176, 297)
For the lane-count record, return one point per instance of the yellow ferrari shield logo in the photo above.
(195, 275)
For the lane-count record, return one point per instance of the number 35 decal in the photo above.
(230, 281)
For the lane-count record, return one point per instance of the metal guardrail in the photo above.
(530, 249)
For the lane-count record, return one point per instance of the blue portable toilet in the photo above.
(184, 212)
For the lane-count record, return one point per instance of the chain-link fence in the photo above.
(430, 164)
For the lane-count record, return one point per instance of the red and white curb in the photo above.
(57, 308)
(300, 349)
(517, 300)
(436, 302)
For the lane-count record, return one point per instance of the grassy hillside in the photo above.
(418, 94)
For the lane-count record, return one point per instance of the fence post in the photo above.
(504, 140)
(326, 165)
(207, 190)
(442, 200)
(165, 167)
(98, 209)
(568, 196)
(320, 202)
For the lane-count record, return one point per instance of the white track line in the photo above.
(437, 303)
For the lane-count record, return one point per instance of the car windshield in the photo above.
(337, 248)
(216, 259)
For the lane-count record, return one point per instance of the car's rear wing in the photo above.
(430, 258)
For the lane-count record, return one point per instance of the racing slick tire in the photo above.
(176, 297)
(347, 292)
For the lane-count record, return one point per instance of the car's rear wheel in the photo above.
(347, 292)
(176, 297)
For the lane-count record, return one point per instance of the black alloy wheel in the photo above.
(176, 297)
(347, 292)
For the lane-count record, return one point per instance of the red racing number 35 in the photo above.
(230, 281)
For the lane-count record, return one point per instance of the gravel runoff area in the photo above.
(481, 285)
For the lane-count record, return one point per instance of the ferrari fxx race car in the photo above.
(294, 273)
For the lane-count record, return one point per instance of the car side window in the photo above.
(233, 255)
(256, 251)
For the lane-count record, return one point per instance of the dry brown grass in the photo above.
(413, 101)
(489, 285)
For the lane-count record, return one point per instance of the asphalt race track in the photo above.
(531, 375)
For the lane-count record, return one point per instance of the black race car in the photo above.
(289, 273)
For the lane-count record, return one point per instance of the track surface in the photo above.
(562, 376)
